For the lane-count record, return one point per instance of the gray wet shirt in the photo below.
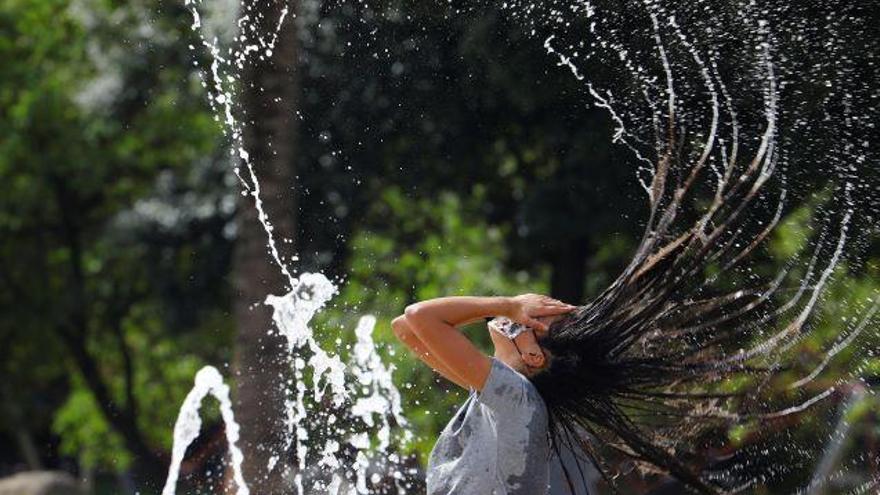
(496, 444)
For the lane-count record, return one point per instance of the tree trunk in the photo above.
(270, 96)
(569, 271)
(13, 416)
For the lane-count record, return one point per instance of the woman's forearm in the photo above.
(404, 333)
(458, 310)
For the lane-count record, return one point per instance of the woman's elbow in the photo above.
(401, 328)
(414, 311)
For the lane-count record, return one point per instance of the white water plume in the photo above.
(363, 397)
(208, 381)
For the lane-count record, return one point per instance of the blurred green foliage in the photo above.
(90, 271)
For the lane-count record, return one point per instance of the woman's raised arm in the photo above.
(442, 346)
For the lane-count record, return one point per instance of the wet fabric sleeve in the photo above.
(504, 388)
(511, 397)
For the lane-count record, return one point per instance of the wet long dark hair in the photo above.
(700, 331)
(640, 370)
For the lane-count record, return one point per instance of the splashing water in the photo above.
(365, 382)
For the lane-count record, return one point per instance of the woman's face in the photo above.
(523, 352)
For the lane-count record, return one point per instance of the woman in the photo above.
(498, 442)
(684, 344)
(652, 373)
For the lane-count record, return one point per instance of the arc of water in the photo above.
(221, 77)
(208, 381)
(603, 102)
(842, 344)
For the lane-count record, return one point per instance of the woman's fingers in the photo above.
(529, 349)
(533, 306)
(552, 309)
(536, 324)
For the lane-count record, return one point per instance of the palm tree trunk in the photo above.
(270, 96)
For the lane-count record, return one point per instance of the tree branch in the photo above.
(116, 316)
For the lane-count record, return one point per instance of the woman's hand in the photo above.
(527, 308)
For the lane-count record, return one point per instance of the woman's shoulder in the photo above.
(509, 392)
